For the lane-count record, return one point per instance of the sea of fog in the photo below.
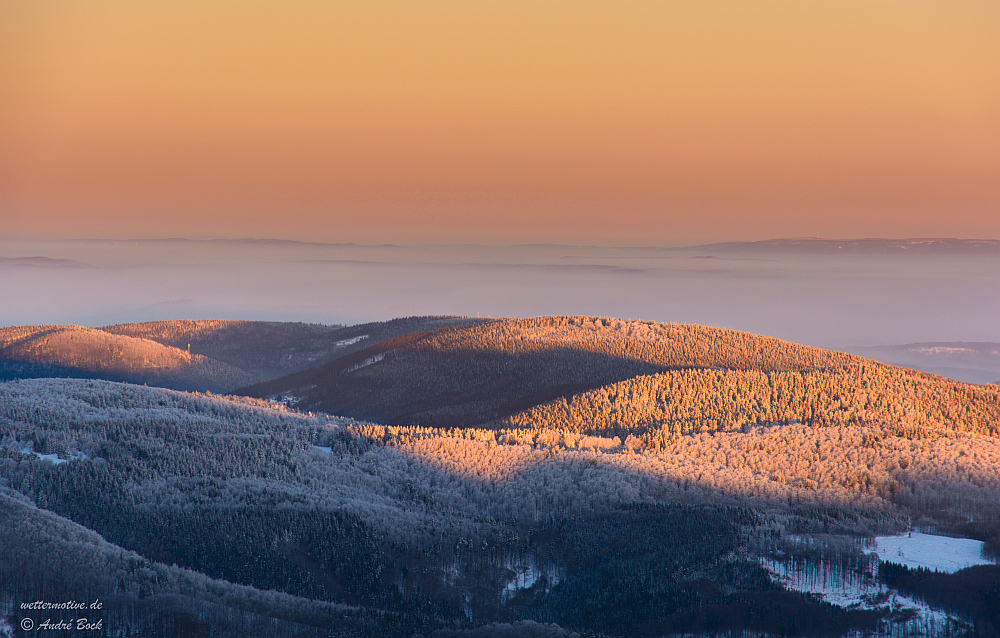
(822, 298)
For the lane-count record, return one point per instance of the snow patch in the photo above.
(54, 458)
(323, 450)
(351, 341)
(939, 553)
(527, 575)
(844, 588)
(367, 362)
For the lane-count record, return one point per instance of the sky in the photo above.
(607, 123)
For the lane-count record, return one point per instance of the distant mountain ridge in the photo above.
(972, 362)
(870, 246)
(41, 262)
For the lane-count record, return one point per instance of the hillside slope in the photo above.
(662, 406)
(138, 596)
(428, 528)
(269, 349)
(476, 373)
(625, 478)
(203, 355)
(75, 351)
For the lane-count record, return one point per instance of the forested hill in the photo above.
(270, 349)
(309, 525)
(75, 351)
(660, 407)
(205, 355)
(476, 373)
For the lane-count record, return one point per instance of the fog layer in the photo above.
(819, 296)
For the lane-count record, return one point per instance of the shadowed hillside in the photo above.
(189, 355)
(144, 595)
(472, 374)
(270, 349)
(265, 349)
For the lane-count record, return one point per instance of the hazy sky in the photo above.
(612, 123)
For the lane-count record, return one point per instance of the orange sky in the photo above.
(611, 123)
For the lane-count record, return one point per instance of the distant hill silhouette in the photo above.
(972, 362)
(872, 246)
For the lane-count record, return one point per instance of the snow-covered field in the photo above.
(852, 590)
(939, 553)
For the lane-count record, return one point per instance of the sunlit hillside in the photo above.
(27, 351)
(662, 406)
(620, 376)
